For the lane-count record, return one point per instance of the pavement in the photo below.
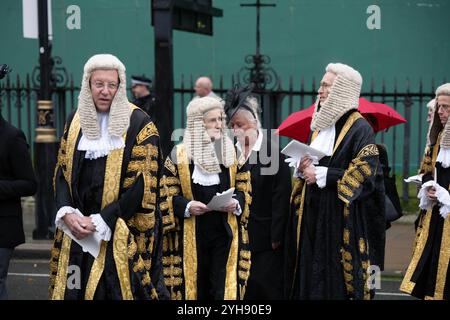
(29, 269)
(399, 242)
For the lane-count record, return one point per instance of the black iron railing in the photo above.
(405, 143)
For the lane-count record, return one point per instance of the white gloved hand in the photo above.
(443, 197)
(292, 162)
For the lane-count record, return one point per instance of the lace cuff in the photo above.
(444, 199)
(442, 195)
(321, 176)
(59, 222)
(101, 227)
(187, 214)
(238, 210)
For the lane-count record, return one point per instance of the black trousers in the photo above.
(266, 276)
(212, 256)
(5, 257)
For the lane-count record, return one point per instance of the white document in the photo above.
(221, 200)
(415, 179)
(298, 150)
(89, 244)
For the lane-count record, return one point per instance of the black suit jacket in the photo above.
(16, 180)
(271, 193)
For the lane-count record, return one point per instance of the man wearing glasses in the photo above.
(427, 276)
(337, 228)
(107, 245)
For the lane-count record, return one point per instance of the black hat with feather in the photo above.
(236, 98)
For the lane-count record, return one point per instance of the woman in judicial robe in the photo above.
(270, 177)
(205, 251)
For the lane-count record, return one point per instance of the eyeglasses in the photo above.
(213, 120)
(109, 85)
(324, 85)
(445, 107)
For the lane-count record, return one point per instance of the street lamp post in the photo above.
(45, 144)
(162, 18)
(260, 74)
(191, 16)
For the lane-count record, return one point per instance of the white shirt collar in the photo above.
(325, 140)
(256, 146)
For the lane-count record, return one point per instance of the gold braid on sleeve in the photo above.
(243, 183)
(358, 171)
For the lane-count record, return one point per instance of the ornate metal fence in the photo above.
(405, 143)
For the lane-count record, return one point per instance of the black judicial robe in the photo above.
(123, 188)
(336, 233)
(269, 212)
(428, 274)
(204, 257)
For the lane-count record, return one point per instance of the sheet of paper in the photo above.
(220, 200)
(89, 244)
(298, 150)
(417, 179)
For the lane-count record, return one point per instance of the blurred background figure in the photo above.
(431, 108)
(143, 97)
(203, 88)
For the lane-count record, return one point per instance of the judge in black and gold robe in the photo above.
(337, 228)
(425, 163)
(106, 187)
(428, 274)
(259, 154)
(205, 250)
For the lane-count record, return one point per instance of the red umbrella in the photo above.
(297, 125)
(379, 115)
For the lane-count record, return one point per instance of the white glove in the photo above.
(292, 162)
(443, 197)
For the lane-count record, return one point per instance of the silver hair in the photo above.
(443, 90)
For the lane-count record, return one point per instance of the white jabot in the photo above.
(444, 157)
(204, 178)
(325, 140)
(103, 146)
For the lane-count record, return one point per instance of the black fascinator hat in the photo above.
(236, 99)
